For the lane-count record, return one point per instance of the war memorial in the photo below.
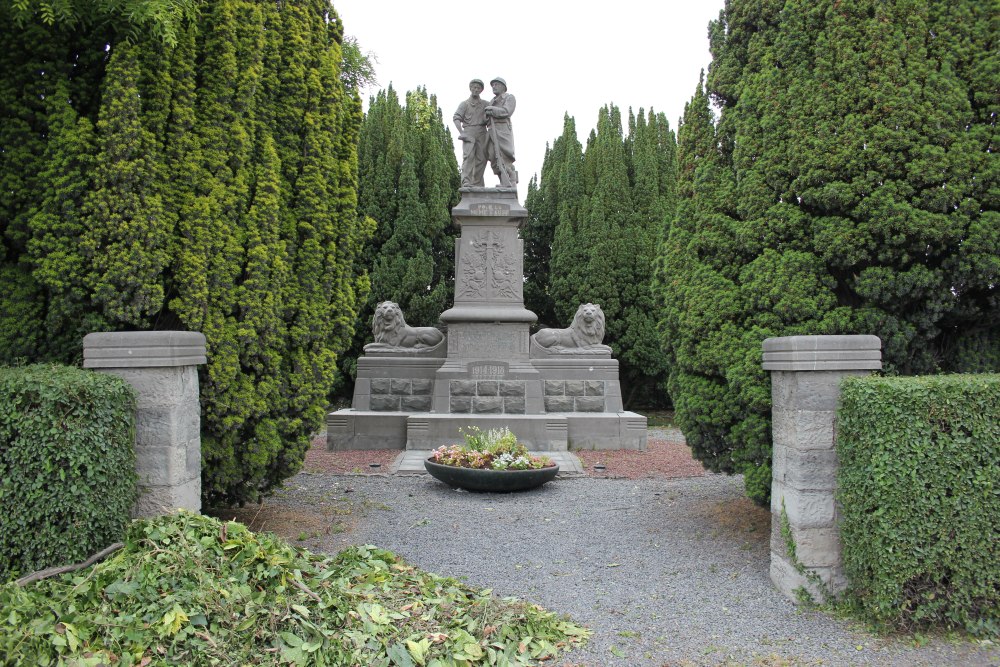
(417, 387)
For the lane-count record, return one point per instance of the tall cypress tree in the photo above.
(408, 183)
(569, 256)
(860, 159)
(57, 226)
(125, 242)
(611, 201)
(29, 53)
(546, 201)
(216, 191)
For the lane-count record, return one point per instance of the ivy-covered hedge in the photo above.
(67, 465)
(919, 485)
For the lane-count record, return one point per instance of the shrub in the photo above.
(67, 465)
(920, 489)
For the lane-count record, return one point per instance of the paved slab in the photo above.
(411, 462)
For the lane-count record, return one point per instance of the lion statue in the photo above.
(392, 332)
(584, 335)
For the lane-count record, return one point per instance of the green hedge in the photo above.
(67, 465)
(919, 485)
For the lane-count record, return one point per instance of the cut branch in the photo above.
(62, 569)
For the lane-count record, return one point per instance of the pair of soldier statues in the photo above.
(486, 135)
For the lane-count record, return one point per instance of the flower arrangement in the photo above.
(496, 449)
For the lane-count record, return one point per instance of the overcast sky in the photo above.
(556, 56)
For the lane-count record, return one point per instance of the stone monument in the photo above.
(417, 386)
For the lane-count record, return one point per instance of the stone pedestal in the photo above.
(488, 327)
(805, 390)
(162, 367)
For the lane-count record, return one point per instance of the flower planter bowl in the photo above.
(497, 481)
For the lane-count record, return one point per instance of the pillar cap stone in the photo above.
(822, 353)
(143, 349)
(488, 206)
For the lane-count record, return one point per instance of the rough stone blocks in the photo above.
(511, 388)
(487, 404)
(421, 386)
(554, 388)
(463, 387)
(804, 509)
(487, 388)
(513, 404)
(558, 404)
(385, 403)
(803, 429)
(590, 404)
(415, 403)
(158, 500)
(461, 404)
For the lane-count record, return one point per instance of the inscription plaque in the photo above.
(488, 370)
(494, 210)
(489, 341)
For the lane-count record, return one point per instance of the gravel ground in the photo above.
(664, 571)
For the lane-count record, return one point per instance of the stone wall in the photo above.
(401, 394)
(574, 395)
(487, 397)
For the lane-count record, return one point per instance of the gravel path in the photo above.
(664, 571)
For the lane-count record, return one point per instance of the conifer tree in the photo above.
(27, 52)
(59, 222)
(569, 257)
(852, 196)
(611, 201)
(546, 202)
(210, 184)
(408, 183)
(125, 242)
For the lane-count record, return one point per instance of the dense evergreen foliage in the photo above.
(596, 216)
(850, 186)
(408, 183)
(207, 186)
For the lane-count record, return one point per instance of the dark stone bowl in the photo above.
(497, 481)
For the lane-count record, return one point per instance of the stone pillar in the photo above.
(805, 390)
(161, 366)
(488, 326)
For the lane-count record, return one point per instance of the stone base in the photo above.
(571, 379)
(604, 431)
(788, 581)
(388, 383)
(541, 433)
(159, 500)
(361, 429)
